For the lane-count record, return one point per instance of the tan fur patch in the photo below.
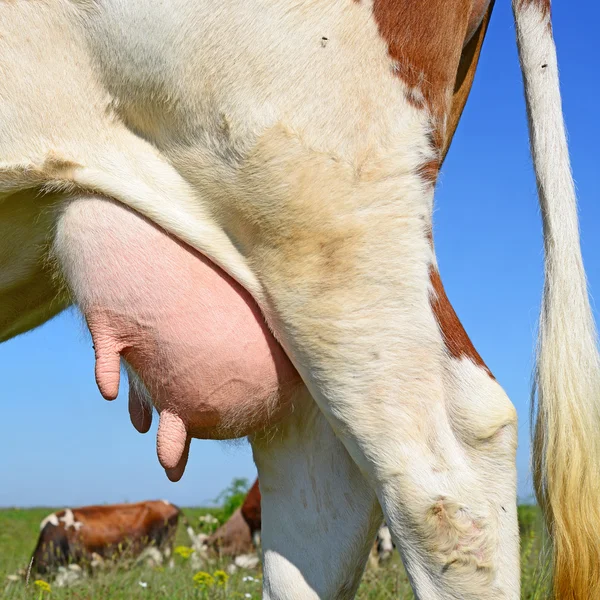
(455, 337)
(478, 11)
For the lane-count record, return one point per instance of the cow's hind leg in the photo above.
(349, 271)
(319, 515)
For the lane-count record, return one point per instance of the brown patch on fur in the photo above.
(115, 524)
(478, 11)
(429, 171)
(251, 508)
(455, 337)
(543, 5)
(464, 78)
(425, 41)
(435, 48)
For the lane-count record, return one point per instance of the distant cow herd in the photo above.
(93, 535)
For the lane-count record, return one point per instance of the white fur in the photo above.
(152, 556)
(52, 519)
(319, 516)
(69, 520)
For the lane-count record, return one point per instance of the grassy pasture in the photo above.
(19, 529)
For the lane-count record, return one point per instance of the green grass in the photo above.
(19, 530)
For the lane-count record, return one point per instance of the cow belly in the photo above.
(193, 336)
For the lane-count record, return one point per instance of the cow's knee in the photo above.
(453, 510)
(481, 414)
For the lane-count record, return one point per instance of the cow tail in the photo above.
(566, 412)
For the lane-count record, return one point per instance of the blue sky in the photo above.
(62, 444)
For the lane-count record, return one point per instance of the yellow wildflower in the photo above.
(43, 585)
(184, 551)
(220, 577)
(203, 579)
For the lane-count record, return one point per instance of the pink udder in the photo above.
(194, 336)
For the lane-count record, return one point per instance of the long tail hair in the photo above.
(566, 415)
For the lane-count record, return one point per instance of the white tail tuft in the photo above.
(566, 444)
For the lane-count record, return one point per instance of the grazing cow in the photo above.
(81, 535)
(240, 534)
(238, 196)
(384, 545)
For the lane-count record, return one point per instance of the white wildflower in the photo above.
(246, 561)
(208, 519)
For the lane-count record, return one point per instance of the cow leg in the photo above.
(349, 272)
(319, 515)
(434, 434)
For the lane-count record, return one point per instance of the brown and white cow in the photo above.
(204, 178)
(240, 534)
(91, 533)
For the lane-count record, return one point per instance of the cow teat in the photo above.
(193, 336)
